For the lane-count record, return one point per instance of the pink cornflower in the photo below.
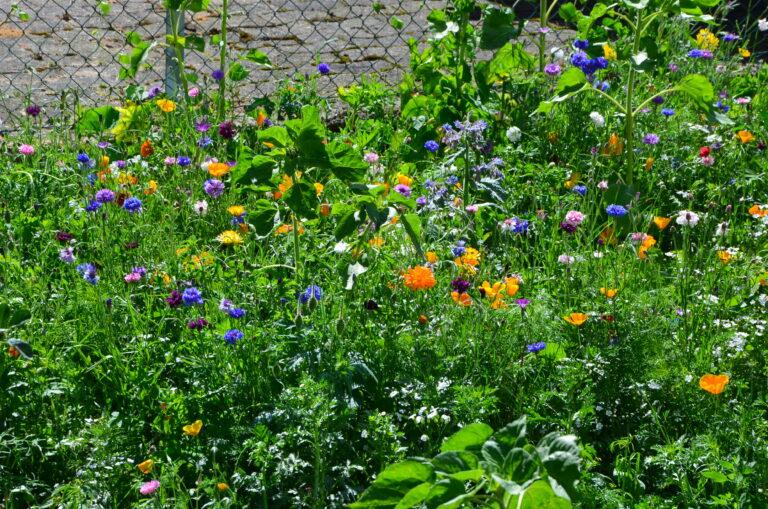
(371, 158)
(133, 277)
(149, 487)
(193, 92)
(574, 217)
(26, 150)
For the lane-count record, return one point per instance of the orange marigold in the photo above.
(714, 384)
(576, 319)
(419, 277)
(218, 169)
(758, 210)
(146, 149)
(745, 136)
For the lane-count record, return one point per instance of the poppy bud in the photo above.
(423, 319)
(325, 209)
(13, 352)
(704, 151)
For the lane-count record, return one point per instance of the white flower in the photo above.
(201, 207)
(340, 247)
(556, 52)
(565, 259)
(597, 119)
(687, 218)
(514, 134)
(762, 25)
(722, 229)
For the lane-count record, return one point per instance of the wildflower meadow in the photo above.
(525, 277)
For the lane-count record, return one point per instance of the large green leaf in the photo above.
(259, 169)
(301, 198)
(452, 462)
(443, 491)
(471, 436)
(258, 57)
(345, 161)
(275, 135)
(498, 28)
(698, 89)
(513, 434)
(394, 483)
(97, 120)
(262, 216)
(560, 456)
(570, 81)
(510, 60)
(12, 315)
(237, 72)
(131, 62)
(540, 495)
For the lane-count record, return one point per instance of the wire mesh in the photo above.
(49, 46)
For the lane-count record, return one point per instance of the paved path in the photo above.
(69, 43)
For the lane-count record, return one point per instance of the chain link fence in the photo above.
(50, 46)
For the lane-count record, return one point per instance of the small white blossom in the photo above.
(597, 119)
(514, 134)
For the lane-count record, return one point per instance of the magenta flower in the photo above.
(26, 150)
(149, 487)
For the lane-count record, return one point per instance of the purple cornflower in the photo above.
(536, 347)
(33, 110)
(63, 236)
(67, 255)
(421, 201)
(658, 99)
(183, 161)
(197, 324)
(236, 312)
(154, 91)
(403, 190)
(132, 205)
(432, 146)
(460, 285)
(93, 206)
(324, 68)
(213, 187)
(515, 225)
(651, 139)
(174, 300)
(700, 53)
(232, 336)
(202, 125)
(217, 75)
(552, 69)
(523, 303)
(667, 112)
(148, 488)
(226, 305)
(204, 142)
(105, 195)
(227, 130)
(580, 189)
(616, 210)
(192, 296)
(88, 271)
(581, 44)
(729, 37)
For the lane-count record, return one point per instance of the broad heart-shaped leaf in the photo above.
(513, 434)
(237, 72)
(259, 169)
(569, 13)
(415, 496)
(276, 136)
(570, 81)
(698, 88)
(262, 216)
(540, 495)
(452, 462)
(346, 163)
(560, 456)
(394, 483)
(97, 120)
(510, 60)
(498, 28)
(258, 57)
(310, 138)
(138, 55)
(443, 491)
(24, 348)
(471, 436)
(301, 198)
(636, 4)
(11, 316)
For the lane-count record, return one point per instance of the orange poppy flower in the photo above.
(758, 210)
(151, 187)
(319, 188)
(614, 147)
(376, 242)
(325, 209)
(609, 292)
(146, 466)
(419, 277)
(404, 180)
(661, 222)
(222, 486)
(724, 256)
(576, 319)
(261, 118)
(745, 136)
(463, 299)
(104, 162)
(218, 169)
(146, 149)
(649, 241)
(714, 384)
(512, 286)
(192, 430)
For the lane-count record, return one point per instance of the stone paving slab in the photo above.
(69, 44)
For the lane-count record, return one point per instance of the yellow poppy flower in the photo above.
(404, 180)
(707, 40)
(745, 136)
(222, 486)
(608, 52)
(745, 53)
(431, 257)
(609, 292)
(661, 222)
(576, 319)
(166, 105)
(724, 256)
(146, 466)
(462, 299)
(192, 430)
(319, 188)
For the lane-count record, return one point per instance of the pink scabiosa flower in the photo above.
(566, 259)
(26, 150)
(193, 92)
(371, 158)
(602, 185)
(149, 487)
(472, 209)
(708, 160)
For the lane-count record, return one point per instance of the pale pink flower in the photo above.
(149, 487)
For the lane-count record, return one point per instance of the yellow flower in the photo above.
(203, 259)
(236, 210)
(491, 291)
(104, 162)
(192, 430)
(512, 286)
(608, 52)
(609, 292)
(462, 299)
(124, 122)
(319, 188)
(151, 187)
(573, 179)
(404, 180)
(431, 257)
(745, 136)
(376, 242)
(469, 260)
(661, 222)
(614, 147)
(707, 40)
(166, 105)
(745, 53)
(218, 169)
(286, 183)
(230, 238)
(714, 384)
(146, 466)
(576, 319)
(649, 164)
(724, 256)
(222, 486)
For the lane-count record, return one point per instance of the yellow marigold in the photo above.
(608, 52)
(151, 187)
(166, 105)
(192, 430)
(714, 384)
(419, 277)
(724, 256)
(319, 188)
(431, 257)
(404, 180)
(576, 319)
(745, 53)
(661, 222)
(236, 210)
(707, 40)
(745, 136)
(230, 238)
(609, 292)
(491, 291)
(146, 466)
(462, 299)
(469, 260)
(218, 169)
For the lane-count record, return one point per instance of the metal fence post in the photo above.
(172, 70)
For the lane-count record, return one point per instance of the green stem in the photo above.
(629, 120)
(645, 103)
(175, 18)
(223, 58)
(296, 254)
(542, 37)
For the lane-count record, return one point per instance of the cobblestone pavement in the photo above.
(69, 43)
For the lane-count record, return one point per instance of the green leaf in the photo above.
(715, 476)
(636, 4)
(415, 496)
(275, 135)
(258, 57)
(396, 23)
(261, 215)
(471, 436)
(443, 491)
(438, 20)
(237, 72)
(540, 495)
(698, 88)
(12, 316)
(259, 169)
(394, 483)
(510, 60)
(345, 161)
(133, 60)
(498, 28)
(513, 434)
(347, 224)
(560, 456)
(453, 462)
(301, 199)
(105, 8)
(412, 225)
(97, 120)
(569, 13)
(571, 81)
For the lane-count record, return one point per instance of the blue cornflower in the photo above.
(204, 142)
(459, 249)
(581, 44)
(323, 68)
(105, 195)
(183, 161)
(432, 146)
(93, 206)
(579, 59)
(83, 158)
(313, 292)
(88, 271)
(580, 189)
(192, 296)
(237, 312)
(616, 210)
(218, 75)
(452, 180)
(132, 205)
(232, 336)
(667, 112)
(536, 347)
(700, 53)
